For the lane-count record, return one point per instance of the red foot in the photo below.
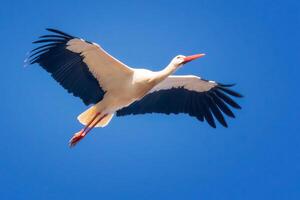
(76, 138)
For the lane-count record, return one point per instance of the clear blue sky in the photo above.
(253, 43)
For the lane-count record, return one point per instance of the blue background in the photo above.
(253, 43)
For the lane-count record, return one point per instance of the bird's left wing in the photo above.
(187, 94)
(81, 67)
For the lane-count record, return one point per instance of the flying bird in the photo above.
(87, 71)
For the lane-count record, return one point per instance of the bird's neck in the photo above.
(163, 74)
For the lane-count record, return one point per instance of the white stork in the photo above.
(87, 71)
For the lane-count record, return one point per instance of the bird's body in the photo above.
(131, 90)
(89, 72)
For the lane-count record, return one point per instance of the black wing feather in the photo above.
(209, 105)
(66, 67)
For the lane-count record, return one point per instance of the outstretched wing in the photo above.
(81, 67)
(192, 95)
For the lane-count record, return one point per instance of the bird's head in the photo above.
(181, 60)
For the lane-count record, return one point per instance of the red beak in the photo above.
(192, 57)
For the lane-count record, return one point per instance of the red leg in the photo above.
(88, 124)
(81, 134)
(90, 128)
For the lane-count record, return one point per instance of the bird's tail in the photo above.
(85, 117)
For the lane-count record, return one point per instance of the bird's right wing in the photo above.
(81, 67)
(187, 94)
